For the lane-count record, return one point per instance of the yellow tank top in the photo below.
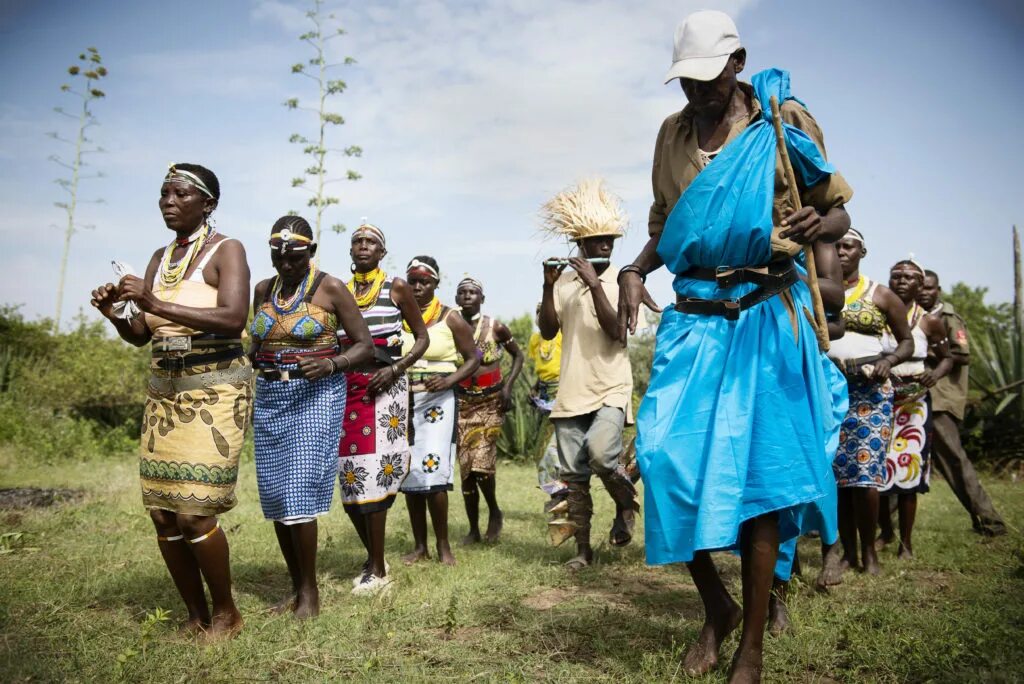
(442, 356)
(192, 291)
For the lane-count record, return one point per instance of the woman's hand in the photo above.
(382, 379)
(632, 293)
(928, 378)
(506, 397)
(436, 384)
(135, 289)
(314, 369)
(881, 369)
(103, 298)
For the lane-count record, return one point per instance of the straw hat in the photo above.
(587, 209)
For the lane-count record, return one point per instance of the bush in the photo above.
(68, 395)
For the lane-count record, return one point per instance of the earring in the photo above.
(352, 267)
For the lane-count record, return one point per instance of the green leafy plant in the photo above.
(147, 632)
(314, 178)
(90, 69)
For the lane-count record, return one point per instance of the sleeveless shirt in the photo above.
(308, 327)
(192, 291)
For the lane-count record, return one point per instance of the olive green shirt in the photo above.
(677, 162)
(950, 393)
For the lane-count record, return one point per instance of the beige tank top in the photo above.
(192, 291)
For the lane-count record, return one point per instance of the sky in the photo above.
(471, 113)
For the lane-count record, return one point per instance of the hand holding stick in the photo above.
(821, 327)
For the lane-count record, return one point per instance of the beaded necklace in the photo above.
(430, 314)
(172, 273)
(376, 278)
(289, 305)
(858, 290)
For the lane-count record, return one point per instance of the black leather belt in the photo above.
(772, 279)
(177, 363)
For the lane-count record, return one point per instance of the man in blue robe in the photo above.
(733, 430)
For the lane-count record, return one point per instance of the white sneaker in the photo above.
(371, 585)
(366, 569)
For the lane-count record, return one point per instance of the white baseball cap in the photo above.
(703, 43)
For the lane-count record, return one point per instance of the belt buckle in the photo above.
(732, 308)
(180, 343)
(172, 363)
(724, 276)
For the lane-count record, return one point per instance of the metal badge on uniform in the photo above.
(285, 376)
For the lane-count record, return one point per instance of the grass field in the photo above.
(77, 587)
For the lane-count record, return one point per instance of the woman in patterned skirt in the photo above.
(907, 466)
(451, 357)
(300, 397)
(859, 465)
(374, 450)
(483, 400)
(193, 303)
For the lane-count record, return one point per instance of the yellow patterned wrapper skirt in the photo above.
(192, 433)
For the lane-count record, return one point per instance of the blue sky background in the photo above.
(471, 114)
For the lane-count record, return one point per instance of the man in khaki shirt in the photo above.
(949, 399)
(595, 392)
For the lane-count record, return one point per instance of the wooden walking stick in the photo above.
(820, 324)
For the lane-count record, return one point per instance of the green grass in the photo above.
(76, 590)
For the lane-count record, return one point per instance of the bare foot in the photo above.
(472, 538)
(778, 617)
(444, 553)
(578, 562)
(193, 626)
(495, 523)
(703, 653)
(832, 569)
(285, 605)
(871, 566)
(224, 627)
(307, 605)
(905, 552)
(883, 541)
(745, 668)
(418, 554)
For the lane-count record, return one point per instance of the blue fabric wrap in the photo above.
(739, 415)
(296, 429)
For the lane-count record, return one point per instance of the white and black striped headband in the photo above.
(176, 175)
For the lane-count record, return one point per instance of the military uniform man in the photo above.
(949, 398)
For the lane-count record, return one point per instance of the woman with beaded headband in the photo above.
(859, 466)
(300, 397)
(450, 358)
(194, 304)
(373, 456)
(908, 462)
(483, 401)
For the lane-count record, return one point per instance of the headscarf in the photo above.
(176, 175)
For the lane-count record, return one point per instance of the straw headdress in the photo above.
(587, 209)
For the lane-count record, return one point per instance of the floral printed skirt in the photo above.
(191, 439)
(434, 417)
(907, 466)
(373, 457)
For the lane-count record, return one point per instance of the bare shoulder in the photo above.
(455, 321)
(332, 285)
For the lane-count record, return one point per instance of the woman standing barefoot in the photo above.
(300, 396)
(194, 303)
(431, 380)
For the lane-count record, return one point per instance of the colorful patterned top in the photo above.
(384, 319)
(860, 314)
(487, 341)
(309, 327)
